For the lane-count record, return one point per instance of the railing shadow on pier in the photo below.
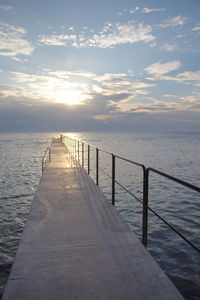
(46, 158)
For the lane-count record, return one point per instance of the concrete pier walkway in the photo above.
(76, 246)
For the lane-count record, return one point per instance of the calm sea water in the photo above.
(173, 153)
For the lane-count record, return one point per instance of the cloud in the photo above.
(115, 34)
(196, 28)
(189, 76)
(6, 7)
(169, 47)
(111, 99)
(160, 72)
(158, 69)
(178, 20)
(52, 88)
(12, 42)
(94, 97)
(61, 86)
(110, 35)
(58, 40)
(174, 21)
(19, 59)
(169, 103)
(33, 103)
(186, 77)
(134, 10)
(145, 10)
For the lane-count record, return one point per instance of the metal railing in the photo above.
(44, 158)
(76, 148)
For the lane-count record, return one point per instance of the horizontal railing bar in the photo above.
(174, 229)
(130, 161)
(105, 173)
(129, 192)
(107, 152)
(189, 185)
(122, 186)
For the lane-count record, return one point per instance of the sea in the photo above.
(175, 153)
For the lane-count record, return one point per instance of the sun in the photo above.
(66, 92)
(70, 97)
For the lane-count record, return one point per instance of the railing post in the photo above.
(97, 166)
(75, 149)
(113, 179)
(88, 159)
(145, 206)
(49, 155)
(78, 151)
(82, 155)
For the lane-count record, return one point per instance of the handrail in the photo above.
(186, 184)
(44, 157)
(76, 149)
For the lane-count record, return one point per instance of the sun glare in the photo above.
(70, 97)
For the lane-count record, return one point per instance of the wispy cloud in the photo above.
(145, 10)
(160, 72)
(196, 28)
(174, 21)
(186, 77)
(12, 41)
(109, 36)
(138, 9)
(168, 103)
(58, 40)
(115, 34)
(157, 69)
(169, 47)
(6, 7)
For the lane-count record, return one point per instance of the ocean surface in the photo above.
(174, 153)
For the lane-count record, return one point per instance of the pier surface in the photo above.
(76, 246)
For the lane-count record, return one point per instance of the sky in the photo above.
(109, 65)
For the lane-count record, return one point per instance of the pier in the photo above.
(76, 246)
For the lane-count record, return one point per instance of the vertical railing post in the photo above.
(113, 179)
(75, 149)
(97, 166)
(145, 206)
(78, 151)
(82, 155)
(49, 155)
(88, 159)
